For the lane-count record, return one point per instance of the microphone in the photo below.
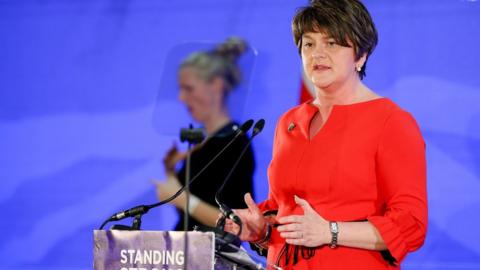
(259, 125)
(142, 209)
(191, 135)
(227, 211)
(245, 127)
(137, 210)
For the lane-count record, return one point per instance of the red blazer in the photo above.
(366, 163)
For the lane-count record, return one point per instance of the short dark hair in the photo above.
(343, 20)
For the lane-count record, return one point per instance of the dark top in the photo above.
(207, 184)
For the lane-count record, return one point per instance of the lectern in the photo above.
(164, 250)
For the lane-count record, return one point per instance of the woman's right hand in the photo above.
(172, 157)
(254, 225)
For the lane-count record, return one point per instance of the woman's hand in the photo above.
(254, 224)
(168, 188)
(172, 157)
(310, 230)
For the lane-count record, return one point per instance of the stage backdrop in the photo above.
(78, 81)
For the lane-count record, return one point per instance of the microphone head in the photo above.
(192, 135)
(246, 126)
(258, 127)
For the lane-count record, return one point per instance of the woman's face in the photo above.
(325, 62)
(200, 97)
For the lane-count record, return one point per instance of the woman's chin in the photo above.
(321, 83)
(198, 118)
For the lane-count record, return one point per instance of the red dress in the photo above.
(366, 163)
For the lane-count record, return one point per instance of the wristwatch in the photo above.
(334, 232)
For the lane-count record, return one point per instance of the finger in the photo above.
(230, 226)
(169, 154)
(303, 203)
(232, 230)
(290, 219)
(172, 149)
(291, 235)
(289, 228)
(295, 241)
(252, 206)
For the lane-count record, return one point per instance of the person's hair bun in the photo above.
(231, 49)
(219, 62)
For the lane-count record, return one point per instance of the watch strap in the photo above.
(334, 232)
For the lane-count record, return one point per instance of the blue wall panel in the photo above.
(79, 79)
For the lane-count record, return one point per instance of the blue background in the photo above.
(79, 80)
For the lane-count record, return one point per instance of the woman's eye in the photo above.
(331, 44)
(186, 89)
(307, 44)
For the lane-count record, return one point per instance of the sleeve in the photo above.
(401, 176)
(268, 205)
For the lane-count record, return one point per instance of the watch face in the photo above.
(334, 227)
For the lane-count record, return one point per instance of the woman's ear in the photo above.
(360, 62)
(218, 85)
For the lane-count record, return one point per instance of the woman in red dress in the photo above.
(347, 180)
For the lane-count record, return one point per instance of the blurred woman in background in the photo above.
(205, 79)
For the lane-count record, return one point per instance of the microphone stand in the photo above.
(137, 222)
(186, 214)
(192, 136)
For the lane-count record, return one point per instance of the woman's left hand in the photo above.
(310, 229)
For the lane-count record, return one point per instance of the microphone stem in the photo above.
(187, 189)
(137, 222)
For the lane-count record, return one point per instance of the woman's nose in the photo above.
(318, 52)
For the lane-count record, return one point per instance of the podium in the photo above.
(165, 250)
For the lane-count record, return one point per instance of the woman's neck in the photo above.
(350, 92)
(216, 122)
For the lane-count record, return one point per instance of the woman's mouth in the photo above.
(320, 67)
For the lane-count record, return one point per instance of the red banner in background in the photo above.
(307, 90)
